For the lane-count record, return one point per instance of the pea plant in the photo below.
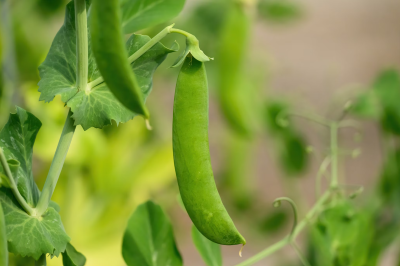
(101, 78)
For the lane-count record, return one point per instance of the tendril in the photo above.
(277, 203)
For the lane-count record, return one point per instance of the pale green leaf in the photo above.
(17, 139)
(71, 257)
(98, 107)
(3, 240)
(209, 251)
(141, 14)
(149, 239)
(32, 236)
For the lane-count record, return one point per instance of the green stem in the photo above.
(282, 120)
(41, 261)
(302, 258)
(13, 185)
(182, 32)
(81, 44)
(334, 155)
(56, 165)
(288, 240)
(138, 53)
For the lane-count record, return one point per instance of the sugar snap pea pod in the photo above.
(192, 157)
(233, 95)
(111, 56)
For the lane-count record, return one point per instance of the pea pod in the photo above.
(233, 94)
(111, 56)
(192, 157)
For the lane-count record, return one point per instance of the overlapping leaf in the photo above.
(141, 14)
(149, 239)
(99, 106)
(71, 257)
(3, 239)
(17, 139)
(27, 235)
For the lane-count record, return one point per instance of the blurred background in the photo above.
(319, 57)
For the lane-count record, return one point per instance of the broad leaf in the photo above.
(98, 107)
(16, 139)
(141, 14)
(3, 240)
(32, 236)
(209, 251)
(342, 236)
(71, 257)
(149, 239)
(111, 57)
(27, 235)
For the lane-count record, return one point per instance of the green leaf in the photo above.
(209, 251)
(98, 107)
(387, 89)
(27, 235)
(71, 257)
(342, 236)
(294, 156)
(32, 236)
(140, 14)
(17, 139)
(149, 239)
(367, 105)
(111, 56)
(3, 240)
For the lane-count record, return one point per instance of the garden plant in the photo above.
(104, 78)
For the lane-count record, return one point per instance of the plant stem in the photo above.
(13, 186)
(56, 165)
(288, 239)
(300, 254)
(138, 53)
(334, 155)
(81, 44)
(41, 261)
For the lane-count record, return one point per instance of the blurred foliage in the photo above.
(291, 145)
(282, 11)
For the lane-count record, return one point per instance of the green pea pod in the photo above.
(192, 157)
(111, 56)
(3, 240)
(232, 93)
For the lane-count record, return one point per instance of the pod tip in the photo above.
(240, 251)
(148, 126)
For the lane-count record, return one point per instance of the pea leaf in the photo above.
(111, 57)
(98, 107)
(387, 89)
(149, 239)
(209, 251)
(32, 236)
(71, 257)
(27, 235)
(3, 240)
(343, 236)
(141, 14)
(17, 139)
